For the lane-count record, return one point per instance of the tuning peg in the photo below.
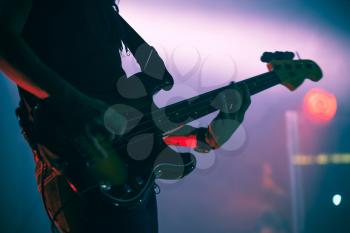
(267, 57)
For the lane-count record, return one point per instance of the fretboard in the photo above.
(183, 112)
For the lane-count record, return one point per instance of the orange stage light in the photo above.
(320, 105)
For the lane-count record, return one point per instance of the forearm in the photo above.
(20, 64)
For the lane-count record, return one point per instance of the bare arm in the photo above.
(19, 63)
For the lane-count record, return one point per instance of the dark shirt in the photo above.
(80, 40)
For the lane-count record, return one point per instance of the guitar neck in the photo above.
(191, 109)
(261, 82)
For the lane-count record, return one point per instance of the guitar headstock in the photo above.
(292, 73)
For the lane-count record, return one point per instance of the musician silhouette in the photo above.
(64, 56)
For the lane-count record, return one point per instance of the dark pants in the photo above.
(89, 213)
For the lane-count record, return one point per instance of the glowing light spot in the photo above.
(322, 159)
(337, 199)
(72, 186)
(320, 105)
(186, 141)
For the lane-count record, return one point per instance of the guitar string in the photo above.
(137, 133)
(258, 83)
(261, 87)
(255, 87)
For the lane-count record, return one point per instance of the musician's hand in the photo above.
(232, 105)
(153, 65)
(81, 118)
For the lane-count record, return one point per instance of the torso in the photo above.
(78, 39)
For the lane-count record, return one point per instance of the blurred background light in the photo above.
(337, 199)
(320, 105)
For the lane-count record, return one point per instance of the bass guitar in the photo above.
(142, 155)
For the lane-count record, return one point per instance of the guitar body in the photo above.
(142, 147)
(140, 154)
